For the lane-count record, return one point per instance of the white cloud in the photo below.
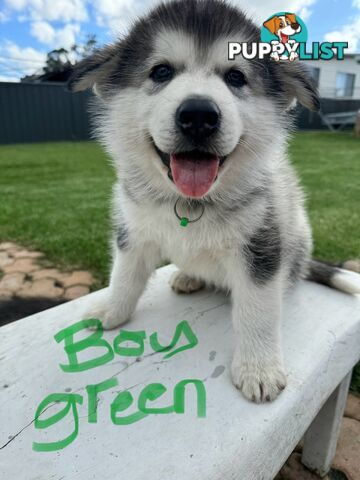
(350, 32)
(117, 15)
(9, 78)
(50, 10)
(347, 33)
(302, 7)
(17, 61)
(28, 54)
(3, 17)
(61, 37)
(42, 31)
(260, 10)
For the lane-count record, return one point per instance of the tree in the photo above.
(57, 61)
(60, 61)
(85, 49)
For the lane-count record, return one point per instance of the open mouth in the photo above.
(284, 38)
(193, 172)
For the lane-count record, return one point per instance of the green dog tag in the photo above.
(184, 221)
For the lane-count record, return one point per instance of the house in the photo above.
(339, 79)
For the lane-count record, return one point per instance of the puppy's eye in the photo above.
(235, 78)
(162, 73)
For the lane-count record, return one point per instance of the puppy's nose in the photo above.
(198, 118)
(295, 26)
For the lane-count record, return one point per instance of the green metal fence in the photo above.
(41, 112)
(31, 112)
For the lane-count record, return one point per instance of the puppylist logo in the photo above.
(283, 36)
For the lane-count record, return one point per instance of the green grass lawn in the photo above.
(329, 168)
(55, 197)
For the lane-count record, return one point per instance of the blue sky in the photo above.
(30, 28)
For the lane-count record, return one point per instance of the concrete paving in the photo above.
(23, 275)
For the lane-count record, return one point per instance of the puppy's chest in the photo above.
(202, 247)
(193, 241)
(206, 259)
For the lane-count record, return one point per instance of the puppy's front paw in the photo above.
(107, 312)
(258, 384)
(183, 283)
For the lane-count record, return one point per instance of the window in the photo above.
(345, 84)
(315, 74)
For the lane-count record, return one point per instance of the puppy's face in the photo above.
(177, 108)
(195, 107)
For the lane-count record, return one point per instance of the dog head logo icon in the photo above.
(283, 26)
(286, 29)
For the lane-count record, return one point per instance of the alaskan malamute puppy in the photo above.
(199, 145)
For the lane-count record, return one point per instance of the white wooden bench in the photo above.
(236, 440)
(338, 121)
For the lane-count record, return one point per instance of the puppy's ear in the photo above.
(291, 17)
(298, 84)
(272, 24)
(92, 72)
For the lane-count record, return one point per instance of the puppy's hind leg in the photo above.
(130, 272)
(182, 283)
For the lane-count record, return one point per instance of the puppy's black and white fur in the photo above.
(254, 237)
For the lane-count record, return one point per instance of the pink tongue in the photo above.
(194, 176)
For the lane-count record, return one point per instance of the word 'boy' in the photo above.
(124, 399)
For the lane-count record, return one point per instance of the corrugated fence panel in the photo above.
(42, 112)
(307, 120)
